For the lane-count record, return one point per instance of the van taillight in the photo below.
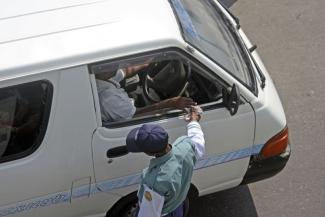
(276, 145)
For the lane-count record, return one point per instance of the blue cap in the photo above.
(150, 138)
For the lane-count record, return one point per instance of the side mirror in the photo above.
(231, 100)
(117, 152)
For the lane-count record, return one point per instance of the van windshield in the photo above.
(205, 28)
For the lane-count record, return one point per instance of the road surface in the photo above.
(290, 35)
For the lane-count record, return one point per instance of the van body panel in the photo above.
(64, 156)
(108, 37)
(10, 9)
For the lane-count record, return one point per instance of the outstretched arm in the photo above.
(175, 102)
(195, 133)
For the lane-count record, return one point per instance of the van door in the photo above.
(229, 142)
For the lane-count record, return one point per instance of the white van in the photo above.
(53, 141)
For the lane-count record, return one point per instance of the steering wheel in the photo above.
(167, 79)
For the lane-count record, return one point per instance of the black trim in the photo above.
(43, 125)
(263, 169)
(253, 48)
(259, 71)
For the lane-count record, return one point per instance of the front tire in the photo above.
(125, 207)
(128, 205)
(130, 210)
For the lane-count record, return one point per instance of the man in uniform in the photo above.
(165, 183)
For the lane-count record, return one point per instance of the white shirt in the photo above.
(194, 132)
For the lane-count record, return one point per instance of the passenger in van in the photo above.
(116, 105)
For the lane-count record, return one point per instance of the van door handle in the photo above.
(117, 151)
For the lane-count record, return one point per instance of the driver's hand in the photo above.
(181, 102)
(133, 70)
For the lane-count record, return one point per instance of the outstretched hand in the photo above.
(181, 102)
(194, 114)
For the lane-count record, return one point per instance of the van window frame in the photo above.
(165, 116)
(42, 127)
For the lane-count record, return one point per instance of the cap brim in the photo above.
(131, 141)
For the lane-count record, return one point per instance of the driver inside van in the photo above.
(116, 105)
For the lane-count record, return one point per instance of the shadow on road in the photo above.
(236, 202)
(228, 3)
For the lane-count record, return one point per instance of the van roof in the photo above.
(38, 35)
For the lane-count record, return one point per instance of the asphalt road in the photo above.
(290, 35)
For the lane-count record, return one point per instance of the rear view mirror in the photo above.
(231, 99)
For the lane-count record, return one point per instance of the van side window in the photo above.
(158, 86)
(24, 113)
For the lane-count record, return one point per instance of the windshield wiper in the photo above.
(259, 71)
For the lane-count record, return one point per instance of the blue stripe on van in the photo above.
(57, 198)
(108, 185)
(119, 183)
(227, 157)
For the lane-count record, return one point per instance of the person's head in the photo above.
(151, 139)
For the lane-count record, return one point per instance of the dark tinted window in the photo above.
(24, 112)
